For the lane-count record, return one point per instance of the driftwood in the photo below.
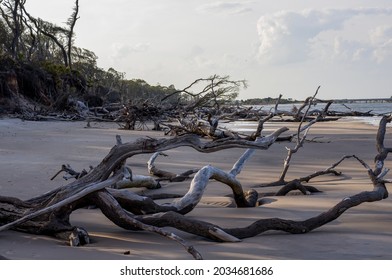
(209, 128)
(192, 117)
(49, 214)
(166, 175)
(296, 184)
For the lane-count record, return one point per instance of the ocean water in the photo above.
(374, 108)
(377, 109)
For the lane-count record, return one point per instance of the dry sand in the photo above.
(32, 152)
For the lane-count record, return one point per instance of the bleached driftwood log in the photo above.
(49, 214)
(166, 175)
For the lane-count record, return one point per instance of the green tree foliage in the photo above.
(11, 17)
(5, 38)
(46, 53)
(30, 38)
(267, 100)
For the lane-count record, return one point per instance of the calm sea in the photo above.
(374, 108)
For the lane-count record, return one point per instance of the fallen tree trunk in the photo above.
(166, 175)
(49, 214)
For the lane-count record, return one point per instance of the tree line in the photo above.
(40, 60)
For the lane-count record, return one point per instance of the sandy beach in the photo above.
(32, 152)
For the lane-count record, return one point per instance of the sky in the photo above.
(287, 47)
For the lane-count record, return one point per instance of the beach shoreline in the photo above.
(32, 152)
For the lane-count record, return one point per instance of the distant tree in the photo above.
(23, 25)
(267, 100)
(50, 64)
(71, 24)
(214, 91)
(11, 14)
(55, 33)
(5, 37)
(85, 62)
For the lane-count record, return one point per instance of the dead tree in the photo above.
(136, 115)
(13, 18)
(214, 92)
(49, 214)
(71, 22)
(296, 184)
(166, 175)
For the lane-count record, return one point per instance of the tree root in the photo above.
(49, 213)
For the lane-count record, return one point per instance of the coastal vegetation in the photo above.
(42, 70)
(44, 76)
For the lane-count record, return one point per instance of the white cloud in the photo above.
(196, 51)
(379, 34)
(338, 48)
(383, 53)
(140, 47)
(381, 39)
(121, 51)
(197, 57)
(289, 36)
(376, 48)
(223, 7)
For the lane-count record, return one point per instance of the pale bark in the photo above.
(49, 214)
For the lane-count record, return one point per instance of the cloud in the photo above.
(120, 50)
(227, 8)
(381, 39)
(288, 36)
(197, 57)
(202, 59)
(140, 47)
(196, 51)
(377, 48)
